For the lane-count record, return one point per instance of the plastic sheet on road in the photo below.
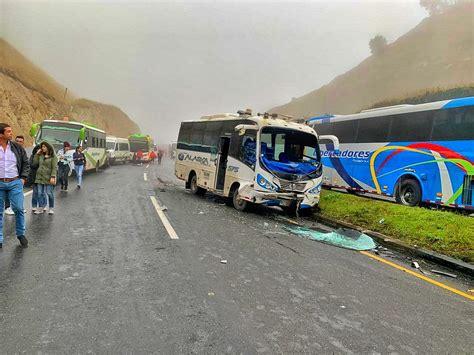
(344, 238)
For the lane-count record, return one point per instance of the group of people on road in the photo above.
(39, 172)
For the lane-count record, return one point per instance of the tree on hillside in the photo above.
(377, 44)
(435, 7)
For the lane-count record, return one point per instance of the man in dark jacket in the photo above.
(14, 170)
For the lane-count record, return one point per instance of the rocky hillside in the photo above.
(437, 53)
(28, 95)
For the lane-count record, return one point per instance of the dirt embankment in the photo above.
(29, 95)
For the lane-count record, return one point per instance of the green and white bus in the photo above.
(91, 139)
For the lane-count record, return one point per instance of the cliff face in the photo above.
(437, 53)
(29, 95)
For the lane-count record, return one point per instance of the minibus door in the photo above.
(224, 144)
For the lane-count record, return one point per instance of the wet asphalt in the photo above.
(103, 276)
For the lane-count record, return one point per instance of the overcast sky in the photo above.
(165, 62)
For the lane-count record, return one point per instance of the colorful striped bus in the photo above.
(414, 153)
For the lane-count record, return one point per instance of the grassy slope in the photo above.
(436, 53)
(448, 233)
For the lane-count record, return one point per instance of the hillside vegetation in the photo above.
(29, 95)
(438, 53)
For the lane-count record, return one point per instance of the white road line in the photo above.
(169, 228)
(145, 177)
(28, 193)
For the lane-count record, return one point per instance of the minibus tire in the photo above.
(193, 186)
(239, 204)
(408, 193)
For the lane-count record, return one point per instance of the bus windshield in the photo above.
(290, 154)
(110, 145)
(57, 135)
(135, 146)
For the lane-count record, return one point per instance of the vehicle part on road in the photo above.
(444, 273)
(344, 238)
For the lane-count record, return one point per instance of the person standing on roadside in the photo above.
(31, 180)
(79, 164)
(8, 210)
(65, 159)
(47, 163)
(14, 169)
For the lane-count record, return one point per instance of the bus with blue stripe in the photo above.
(415, 153)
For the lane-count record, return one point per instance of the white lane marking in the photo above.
(169, 228)
(145, 177)
(28, 193)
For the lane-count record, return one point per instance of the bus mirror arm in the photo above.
(334, 139)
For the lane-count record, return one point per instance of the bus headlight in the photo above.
(315, 190)
(262, 182)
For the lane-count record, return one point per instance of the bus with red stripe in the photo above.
(415, 153)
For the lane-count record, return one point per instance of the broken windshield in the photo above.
(290, 154)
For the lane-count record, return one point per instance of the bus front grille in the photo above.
(292, 186)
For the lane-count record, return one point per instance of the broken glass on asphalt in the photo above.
(342, 237)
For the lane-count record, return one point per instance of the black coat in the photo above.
(22, 163)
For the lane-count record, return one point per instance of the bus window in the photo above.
(197, 133)
(346, 131)
(413, 126)
(185, 135)
(454, 124)
(374, 129)
(211, 135)
(248, 149)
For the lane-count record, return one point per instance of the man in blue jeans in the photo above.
(14, 169)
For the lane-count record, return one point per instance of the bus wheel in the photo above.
(239, 204)
(408, 193)
(193, 186)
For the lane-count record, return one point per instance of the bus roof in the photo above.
(261, 121)
(74, 123)
(394, 110)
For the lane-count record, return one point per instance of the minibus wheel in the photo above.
(193, 186)
(239, 204)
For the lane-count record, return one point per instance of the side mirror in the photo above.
(243, 127)
(334, 139)
(34, 129)
(82, 134)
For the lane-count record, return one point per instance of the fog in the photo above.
(165, 62)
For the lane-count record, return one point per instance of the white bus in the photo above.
(118, 150)
(259, 159)
(90, 138)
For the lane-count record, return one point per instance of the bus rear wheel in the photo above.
(408, 193)
(239, 203)
(193, 186)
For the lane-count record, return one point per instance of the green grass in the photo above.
(445, 232)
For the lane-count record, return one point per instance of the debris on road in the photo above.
(415, 265)
(265, 224)
(201, 212)
(164, 208)
(342, 237)
(444, 273)
(224, 261)
(211, 294)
